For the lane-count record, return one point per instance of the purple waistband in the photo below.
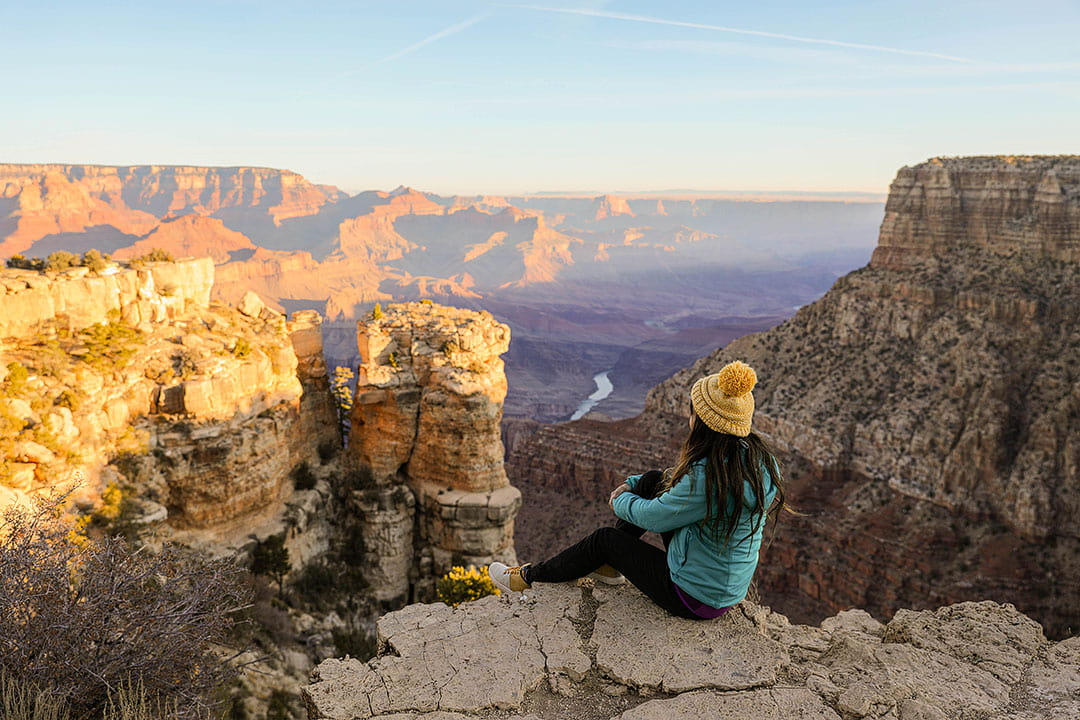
(697, 607)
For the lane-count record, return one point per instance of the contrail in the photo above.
(741, 31)
(446, 32)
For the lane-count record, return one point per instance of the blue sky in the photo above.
(481, 97)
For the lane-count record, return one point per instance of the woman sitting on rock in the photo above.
(710, 511)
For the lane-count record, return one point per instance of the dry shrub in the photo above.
(82, 619)
(24, 701)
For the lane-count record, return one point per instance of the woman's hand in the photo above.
(616, 493)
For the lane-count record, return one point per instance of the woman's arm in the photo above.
(683, 504)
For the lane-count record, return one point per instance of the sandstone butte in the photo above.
(927, 408)
(425, 433)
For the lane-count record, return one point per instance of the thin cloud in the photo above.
(446, 32)
(435, 37)
(743, 31)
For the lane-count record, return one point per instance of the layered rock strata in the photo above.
(425, 436)
(604, 652)
(134, 378)
(926, 406)
(1013, 204)
(79, 299)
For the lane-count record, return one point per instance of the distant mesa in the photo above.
(611, 205)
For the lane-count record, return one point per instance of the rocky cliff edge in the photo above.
(585, 652)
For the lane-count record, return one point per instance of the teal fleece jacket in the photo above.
(714, 571)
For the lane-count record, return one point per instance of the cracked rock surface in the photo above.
(579, 652)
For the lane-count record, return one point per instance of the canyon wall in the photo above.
(1007, 205)
(133, 377)
(587, 284)
(926, 406)
(425, 437)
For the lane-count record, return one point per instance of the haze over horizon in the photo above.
(500, 98)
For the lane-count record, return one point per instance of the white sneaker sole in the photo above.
(607, 579)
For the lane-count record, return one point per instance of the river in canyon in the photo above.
(603, 389)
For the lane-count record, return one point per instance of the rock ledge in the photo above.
(566, 651)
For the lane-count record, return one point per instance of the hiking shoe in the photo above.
(508, 579)
(607, 575)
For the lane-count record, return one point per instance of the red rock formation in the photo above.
(41, 200)
(191, 236)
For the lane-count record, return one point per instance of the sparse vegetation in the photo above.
(80, 620)
(184, 364)
(155, 255)
(92, 259)
(95, 261)
(271, 558)
(354, 642)
(376, 312)
(109, 345)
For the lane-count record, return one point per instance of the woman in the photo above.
(710, 510)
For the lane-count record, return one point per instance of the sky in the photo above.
(473, 97)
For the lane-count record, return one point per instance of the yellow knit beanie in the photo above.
(724, 401)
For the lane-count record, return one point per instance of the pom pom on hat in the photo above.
(736, 379)
(724, 401)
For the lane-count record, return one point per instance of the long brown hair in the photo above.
(730, 462)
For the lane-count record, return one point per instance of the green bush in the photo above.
(25, 263)
(270, 557)
(16, 378)
(354, 642)
(95, 261)
(279, 707)
(109, 344)
(376, 312)
(62, 260)
(155, 255)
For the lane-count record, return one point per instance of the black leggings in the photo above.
(622, 548)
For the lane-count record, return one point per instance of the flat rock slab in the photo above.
(766, 704)
(481, 655)
(642, 646)
(566, 652)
